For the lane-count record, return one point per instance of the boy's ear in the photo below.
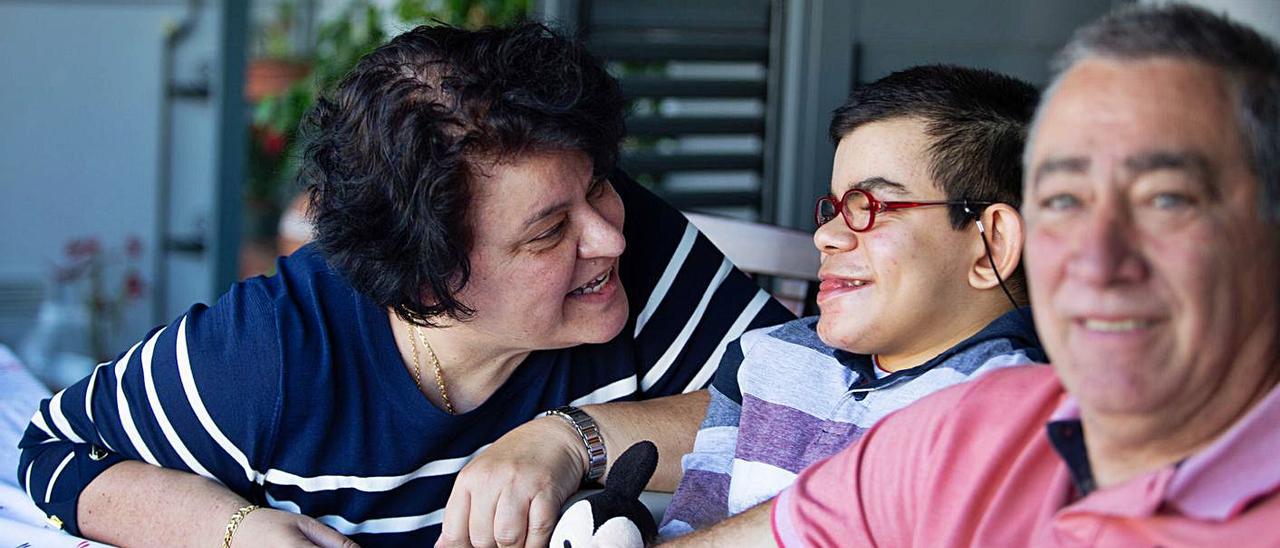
(1005, 234)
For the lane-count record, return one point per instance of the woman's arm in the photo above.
(748, 529)
(134, 503)
(198, 397)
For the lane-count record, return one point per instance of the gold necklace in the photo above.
(435, 361)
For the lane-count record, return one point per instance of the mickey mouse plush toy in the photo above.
(615, 517)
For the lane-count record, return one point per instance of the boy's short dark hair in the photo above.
(976, 119)
(977, 122)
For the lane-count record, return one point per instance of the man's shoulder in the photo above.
(1006, 396)
(1021, 382)
(1023, 376)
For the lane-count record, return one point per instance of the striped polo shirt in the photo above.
(290, 389)
(783, 400)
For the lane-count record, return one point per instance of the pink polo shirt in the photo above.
(972, 465)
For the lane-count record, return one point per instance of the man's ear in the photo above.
(1004, 233)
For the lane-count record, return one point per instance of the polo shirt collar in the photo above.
(1014, 325)
(1214, 484)
(1237, 468)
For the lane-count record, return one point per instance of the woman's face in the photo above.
(544, 259)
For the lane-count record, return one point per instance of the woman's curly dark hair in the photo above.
(392, 151)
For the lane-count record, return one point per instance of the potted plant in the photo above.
(340, 42)
(273, 155)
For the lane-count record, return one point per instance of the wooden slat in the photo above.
(612, 15)
(650, 86)
(655, 163)
(694, 125)
(660, 45)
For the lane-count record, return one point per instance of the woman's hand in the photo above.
(510, 494)
(270, 527)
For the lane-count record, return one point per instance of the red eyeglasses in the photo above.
(859, 208)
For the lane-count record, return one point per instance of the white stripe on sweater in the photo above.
(88, 404)
(369, 484)
(48, 492)
(660, 368)
(60, 419)
(202, 414)
(668, 277)
(126, 417)
(609, 392)
(162, 418)
(399, 524)
(744, 319)
(38, 420)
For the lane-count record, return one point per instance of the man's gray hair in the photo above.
(1250, 64)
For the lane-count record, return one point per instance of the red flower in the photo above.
(273, 142)
(81, 248)
(133, 285)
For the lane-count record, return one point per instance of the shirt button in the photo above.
(55, 521)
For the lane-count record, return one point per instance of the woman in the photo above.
(473, 266)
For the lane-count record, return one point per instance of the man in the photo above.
(1151, 207)
(913, 299)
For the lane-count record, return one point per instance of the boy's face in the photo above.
(888, 291)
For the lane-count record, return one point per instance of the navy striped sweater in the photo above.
(291, 392)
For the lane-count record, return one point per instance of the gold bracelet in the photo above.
(236, 518)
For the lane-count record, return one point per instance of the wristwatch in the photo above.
(591, 438)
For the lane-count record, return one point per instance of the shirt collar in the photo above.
(1237, 468)
(1014, 325)
(1214, 484)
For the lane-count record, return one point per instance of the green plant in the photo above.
(273, 156)
(274, 38)
(341, 42)
(464, 13)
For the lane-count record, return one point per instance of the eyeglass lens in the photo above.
(826, 211)
(857, 209)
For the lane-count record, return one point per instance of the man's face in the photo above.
(882, 289)
(1150, 269)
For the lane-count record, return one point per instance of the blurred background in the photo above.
(148, 147)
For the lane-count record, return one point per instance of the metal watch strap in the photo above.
(591, 438)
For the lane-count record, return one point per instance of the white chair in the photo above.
(785, 254)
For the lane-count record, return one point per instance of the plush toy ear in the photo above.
(614, 517)
(631, 472)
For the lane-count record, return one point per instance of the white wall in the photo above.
(79, 139)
